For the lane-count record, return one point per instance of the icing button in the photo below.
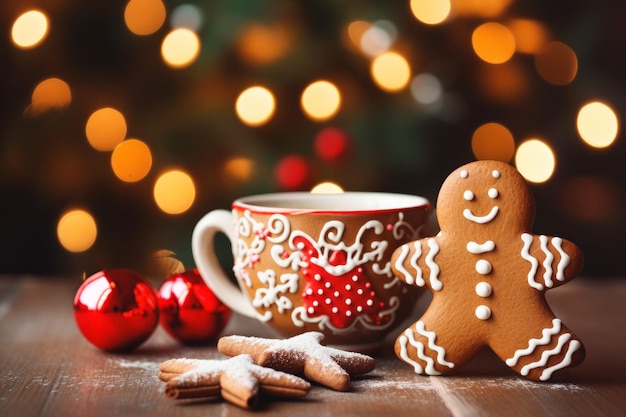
(483, 289)
(483, 267)
(483, 312)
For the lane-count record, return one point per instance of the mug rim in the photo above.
(356, 202)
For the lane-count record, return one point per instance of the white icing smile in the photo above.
(467, 213)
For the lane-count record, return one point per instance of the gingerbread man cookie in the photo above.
(488, 274)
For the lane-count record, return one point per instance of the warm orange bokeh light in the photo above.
(493, 141)
(535, 160)
(255, 106)
(557, 63)
(239, 168)
(431, 12)
(597, 124)
(493, 43)
(391, 72)
(262, 44)
(29, 29)
(320, 100)
(481, 8)
(105, 129)
(144, 17)
(50, 94)
(180, 48)
(131, 160)
(530, 35)
(174, 192)
(77, 230)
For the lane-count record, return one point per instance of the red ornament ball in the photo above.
(116, 310)
(292, 173)
(332, 144)
(189, 311)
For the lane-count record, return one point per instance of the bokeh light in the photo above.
(493, 141)
(292, 173)
(535, 160)
(378, 38)
(493, 43)
(131, 160)
(262, 44)
(320, 100)
(426, 89)
(530, 35)
(486, 9)
(326, 188)
(556, 63)
(187, 16)
(174, 191)
(239, 168)
(390, 71)
(431, 12)
(504, 83)
(144, 17)
(29, 29)
(50, 94)
(77, 230)
(105, 129)
(331, 144)
(255, 106)
(597, 124)
(180, 48)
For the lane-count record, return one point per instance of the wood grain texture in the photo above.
(48, 369)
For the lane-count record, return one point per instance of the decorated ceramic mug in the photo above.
(315, 262)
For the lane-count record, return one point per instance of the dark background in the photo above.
(187, 118)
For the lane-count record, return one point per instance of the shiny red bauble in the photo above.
(116, 310)
(189, 311)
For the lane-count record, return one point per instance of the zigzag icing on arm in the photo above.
(419, 280)
(528, 240)
(420, 327)
(547, 263)
(546, 336)
(567, 360)
(435, 284)
(563, 339)
(408, 278)
(564, 261)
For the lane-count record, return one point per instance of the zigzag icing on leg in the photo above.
(431, 336)
(403, 340)
(563, 339)
(546, 336)
(574, 345)
(419, 347)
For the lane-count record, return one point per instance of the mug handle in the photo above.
(203, 248)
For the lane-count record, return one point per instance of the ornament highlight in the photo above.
(116, 310)
(189, 311)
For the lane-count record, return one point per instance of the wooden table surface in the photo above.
(48, 369)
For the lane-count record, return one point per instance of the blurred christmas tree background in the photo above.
(108, 105)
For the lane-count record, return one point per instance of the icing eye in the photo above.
(468, 195)
(463, 174)
(495, 173)
(493, 193)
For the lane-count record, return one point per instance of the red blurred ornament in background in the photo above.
(332, 145)
(116, 309)
(292, 173)
(189, 311)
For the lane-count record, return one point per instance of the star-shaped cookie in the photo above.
(303, 354)
(238, 380)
